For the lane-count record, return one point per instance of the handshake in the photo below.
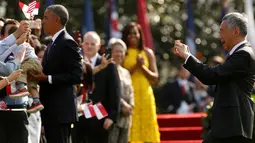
(21, 34)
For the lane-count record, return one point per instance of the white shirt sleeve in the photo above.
(50, 79)
(10, 40)
(6, 44)
(187, 58)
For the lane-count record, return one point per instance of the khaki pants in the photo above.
(30, 65)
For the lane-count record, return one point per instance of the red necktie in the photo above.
(183, 90)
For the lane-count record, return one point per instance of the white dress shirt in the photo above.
(236, 46)
(56, 35)
(92, 60)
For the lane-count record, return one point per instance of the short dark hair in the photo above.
(60, 11)
(12, 30)
(9, 22)
(40, 48)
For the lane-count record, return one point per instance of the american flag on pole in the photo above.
(114, 20)
(31, 6)
(111, 28)
(33, 9)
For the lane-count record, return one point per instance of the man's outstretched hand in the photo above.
(23, 28)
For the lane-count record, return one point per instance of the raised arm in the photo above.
(104, 63)
(15, 39)
(15, 48)
(152, 72)
(235, 66)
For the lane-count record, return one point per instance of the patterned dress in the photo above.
(144, 120)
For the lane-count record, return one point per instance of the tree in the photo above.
(167, 18)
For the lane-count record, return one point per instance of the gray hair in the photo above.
(60, 11)
(237, 19)
(93, 35)
(115, 41)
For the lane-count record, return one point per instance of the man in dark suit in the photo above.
(106, 90)
(232, 113)
(62, 69)
(177, 92)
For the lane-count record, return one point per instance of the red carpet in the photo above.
(181, 128)
(183, 141)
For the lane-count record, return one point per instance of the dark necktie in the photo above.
(49, 46)
(227, 56)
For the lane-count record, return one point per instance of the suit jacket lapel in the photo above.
(244, 44)
(98, 61)
(47, 55)
(55, 44)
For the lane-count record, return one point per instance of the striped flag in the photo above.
(31, 6)
(251, 26)
(144, 22)
(100, 111)
(89, 110)
(114, 20)
(190, 38)
(25, 8)
(111, 28)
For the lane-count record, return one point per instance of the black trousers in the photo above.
(57, 133)
(236, 139)
(13, 127)
(89, 131)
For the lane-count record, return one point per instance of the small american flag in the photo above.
(114, 20)
(2, 105)
(31, 6)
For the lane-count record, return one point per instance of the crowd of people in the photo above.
(57, 88)
(50, 77)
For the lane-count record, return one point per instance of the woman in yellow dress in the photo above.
(141, 63)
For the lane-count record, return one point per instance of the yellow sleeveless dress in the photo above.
(144, 119)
